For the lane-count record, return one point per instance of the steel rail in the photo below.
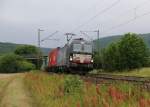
(120, 77)
(143, 82)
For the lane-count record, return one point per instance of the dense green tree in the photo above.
(129, 52)
(26, 50)
(32, 53)
(111, 57)
(133, 51)
(97, 59)
(10, 63)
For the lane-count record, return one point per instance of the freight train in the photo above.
(78, 55)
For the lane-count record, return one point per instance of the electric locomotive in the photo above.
(76, 55)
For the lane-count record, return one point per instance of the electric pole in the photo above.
(98, 40)
(48, 37)
(39, 38)
(39, 47)
(98, 43)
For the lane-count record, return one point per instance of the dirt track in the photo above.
(5, 76)
(12, 91)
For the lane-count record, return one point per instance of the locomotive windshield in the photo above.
(77, 47)
(85, 48)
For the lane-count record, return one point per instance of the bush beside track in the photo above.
(11, 63)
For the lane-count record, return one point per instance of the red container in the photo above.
(53, 55)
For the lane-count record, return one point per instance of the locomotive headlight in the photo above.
(92, 60)
(71, 58)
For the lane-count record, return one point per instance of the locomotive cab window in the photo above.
(77, 47)
(88, 48)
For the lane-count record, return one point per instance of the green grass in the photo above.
(143, 72)
(50, 91)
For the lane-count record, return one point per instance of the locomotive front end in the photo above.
(81, 55)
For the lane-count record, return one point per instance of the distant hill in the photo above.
(7, 47)
(10, 47)
(104, 42)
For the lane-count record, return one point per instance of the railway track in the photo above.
(120, 77)
(143, 82)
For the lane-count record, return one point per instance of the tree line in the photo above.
(130, 52)
(16, 61)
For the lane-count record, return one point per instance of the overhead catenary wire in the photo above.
(143, 3)
(123, 13)
(98, 14)
(130, 20)
(49, 36)
(134, 9)
(54, 39)
(127, 22)
(86, 35)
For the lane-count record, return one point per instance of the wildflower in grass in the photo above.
(94, 101)
(112, 92)
(78, 104)
(128, 95)
(106, 97)
(143, 103)
(67, 104)
(133, 93)
(148, 102)
(116, 95)
(120, 95)
(86, 102)
(105, 104)
(98, 89)
(49, 91)
(87, 85)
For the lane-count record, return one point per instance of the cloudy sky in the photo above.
(20, 19)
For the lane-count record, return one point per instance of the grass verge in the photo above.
(143, 72)
(63, 91)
